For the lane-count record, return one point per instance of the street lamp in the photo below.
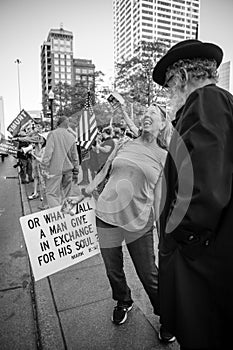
(51, 98)
(18, 63)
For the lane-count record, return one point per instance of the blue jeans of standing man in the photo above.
(141, 249)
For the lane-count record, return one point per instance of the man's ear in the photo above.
(184, 76)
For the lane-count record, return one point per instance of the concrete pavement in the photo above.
(73, 307)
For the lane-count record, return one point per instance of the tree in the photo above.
(134, 76)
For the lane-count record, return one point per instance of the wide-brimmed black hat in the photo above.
(185, 49)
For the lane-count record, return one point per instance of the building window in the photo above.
(147, 6)
(84, 71)
(68, 76)
(56, 62)
(147, 24)
(164, 34)
(62, 69)
(178, 30)
(56, 68)
(77, 77)
(62, 62)
(163, 3)
(147, 30)
(163, 27)
(147, 37)
(68, 69)
(56, 76)
(147, 18)
(178, 36)
(77, 70)
(68, 56)
(147, 12)
(62, 76)
(62, 55)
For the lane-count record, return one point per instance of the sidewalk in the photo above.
(74, 306)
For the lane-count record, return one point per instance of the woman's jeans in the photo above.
(141, 250)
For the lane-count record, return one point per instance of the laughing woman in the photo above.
(127, 209)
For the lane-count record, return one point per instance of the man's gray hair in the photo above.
(197, 68)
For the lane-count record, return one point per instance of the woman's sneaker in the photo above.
(165, 336)
(120, 313)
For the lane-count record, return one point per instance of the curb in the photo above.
(48, 328)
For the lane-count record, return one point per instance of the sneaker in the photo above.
(43, 207)
(33, 196)
(165, 336)
(120, 313)
(25, 182)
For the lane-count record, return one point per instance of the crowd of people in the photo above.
(174, 176)
(53, 160)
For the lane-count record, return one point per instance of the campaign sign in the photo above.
(20, 121)
(9, 147)
(56, 240)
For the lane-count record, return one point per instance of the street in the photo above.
(17, 326)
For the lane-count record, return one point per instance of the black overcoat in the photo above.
(196, 224)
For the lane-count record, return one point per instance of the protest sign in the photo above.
(56, 240)
(22, 119)
(9, 147)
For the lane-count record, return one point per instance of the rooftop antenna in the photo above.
(61, 26)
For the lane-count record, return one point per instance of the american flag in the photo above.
(87, 129)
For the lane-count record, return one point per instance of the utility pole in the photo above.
(18, 63)
(196, 34)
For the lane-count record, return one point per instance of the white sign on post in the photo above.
(56, 240)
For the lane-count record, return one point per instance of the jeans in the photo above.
(26, 169)
(141, 251)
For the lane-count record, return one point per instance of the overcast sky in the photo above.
(25, 24)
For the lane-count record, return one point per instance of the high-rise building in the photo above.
(84, 72)
(56, 60)
(2, 121)
(224, 75)
(150, 20)
(58, 65)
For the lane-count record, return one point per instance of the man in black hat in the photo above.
(196, 240)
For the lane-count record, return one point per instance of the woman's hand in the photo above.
(89, 189)
(69, 204)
